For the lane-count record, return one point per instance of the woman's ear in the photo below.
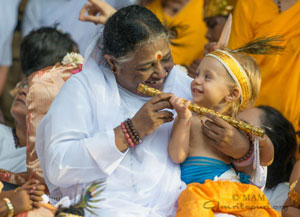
(233, 95)
(112, 63)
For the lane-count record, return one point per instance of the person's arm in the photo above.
(266, 156)
(20, 202)
(225, 137)
(266, 151)
(73, 146)
(295, 175)
(3, 208)
(291, 205)
(178, 147)
(3, 76)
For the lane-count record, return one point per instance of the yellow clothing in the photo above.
(280, 87)
(189, 43)
(223, 197)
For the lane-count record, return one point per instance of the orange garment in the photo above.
(189, 43)
(280, 87)
(223, 197)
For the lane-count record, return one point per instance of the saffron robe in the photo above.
(280, 85)
(223, 197)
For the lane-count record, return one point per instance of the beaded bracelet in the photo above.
(248, 156)
(10, 207)
(129, 140)
(133, 132)
(294, 196)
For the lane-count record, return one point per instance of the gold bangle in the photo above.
(294, 196)
(63, 214)
(10, 207)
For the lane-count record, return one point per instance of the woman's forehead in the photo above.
(149, 51)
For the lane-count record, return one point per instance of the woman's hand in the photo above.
(181, 107)
(98, 12)
(35, 191)
(192, 69)
(151, 116)
(21, 201)
(225, 137)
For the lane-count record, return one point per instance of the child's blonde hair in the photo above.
(251, 68)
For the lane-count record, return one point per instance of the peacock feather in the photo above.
(262, 45)
(85, 203)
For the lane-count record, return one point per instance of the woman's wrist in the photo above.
(3, 208)
(10, 208)
(248, 156)
(294, 194)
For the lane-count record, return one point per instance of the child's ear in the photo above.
(112, 63)
(233, 95)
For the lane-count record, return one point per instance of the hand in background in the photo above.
(96, 11)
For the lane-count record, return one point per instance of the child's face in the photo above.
(211, 85)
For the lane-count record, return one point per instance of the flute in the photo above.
(149, 91)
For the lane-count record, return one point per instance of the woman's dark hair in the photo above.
(44, 47)
(283, 136)
(129, 27)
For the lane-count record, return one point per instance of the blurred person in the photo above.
(39, 49)
(282, 134)
(8, 22)
(41, 13)
(184, 19)
(215, 14)
(280, 73)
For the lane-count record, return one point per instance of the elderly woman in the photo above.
(87, 136)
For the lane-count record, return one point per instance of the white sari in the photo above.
(76, 145)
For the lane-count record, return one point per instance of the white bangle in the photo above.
(10, 207)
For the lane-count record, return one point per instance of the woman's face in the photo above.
(215, 26)
(19, 109)
(150, 65)
(251, 116)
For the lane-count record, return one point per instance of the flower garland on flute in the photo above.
(142, 88)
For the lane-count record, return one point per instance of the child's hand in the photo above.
(181, 107)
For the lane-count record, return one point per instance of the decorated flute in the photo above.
(142, 88)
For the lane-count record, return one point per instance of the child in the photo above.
(226, 82)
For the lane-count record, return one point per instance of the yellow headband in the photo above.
(236, 71)
(213, 8)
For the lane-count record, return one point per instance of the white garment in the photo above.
(76, 146)
(278, 195)
(8, 22)
(65, 13)
(11, 158)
